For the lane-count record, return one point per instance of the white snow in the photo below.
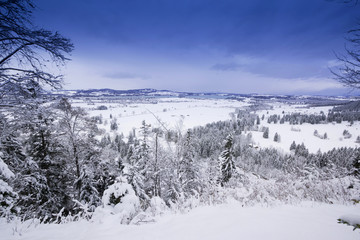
(173, 112)
(351, 219)
(304, 133)
(228, 221)
(123, 211)
(5, 171)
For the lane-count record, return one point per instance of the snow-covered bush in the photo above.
(346, 134)
(119, 200)
(157, 206)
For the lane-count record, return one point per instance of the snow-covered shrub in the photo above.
(157, 206)
(294, 129)
(346, 134)
(7, 194)
(351, 220)
(102, 107)
(119, 200)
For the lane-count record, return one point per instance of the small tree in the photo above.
(266, 133)
(293, 146)
(276, 137)
(114, 125)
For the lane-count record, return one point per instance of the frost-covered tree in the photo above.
(135, 173)
(77, 136)
(189, 171)
(226, 159)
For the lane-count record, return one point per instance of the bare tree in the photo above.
(25, 51)
(349, 72)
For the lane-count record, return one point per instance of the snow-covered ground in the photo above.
(188, 112)
(228, 221)
(308, 220)
(304, 133)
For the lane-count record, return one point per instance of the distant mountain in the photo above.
(149, 92)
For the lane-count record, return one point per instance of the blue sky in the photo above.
(244, 46)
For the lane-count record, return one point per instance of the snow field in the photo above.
(227, 221)
(173, 112)
(304, 133)
(184, 113)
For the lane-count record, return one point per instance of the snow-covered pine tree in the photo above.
(227, 165)
(189, 171)
(134, 173)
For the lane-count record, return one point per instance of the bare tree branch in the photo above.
(25, 50)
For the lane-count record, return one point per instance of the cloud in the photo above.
(226, 67)
(125, 75)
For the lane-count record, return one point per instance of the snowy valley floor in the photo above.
(228, 221)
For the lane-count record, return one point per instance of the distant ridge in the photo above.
(108, 92)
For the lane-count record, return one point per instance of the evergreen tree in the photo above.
(293, 146)
(356, 165)
(266, 133)
(276, 137)
(189, 172)
(134, 172)
(227, 165)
